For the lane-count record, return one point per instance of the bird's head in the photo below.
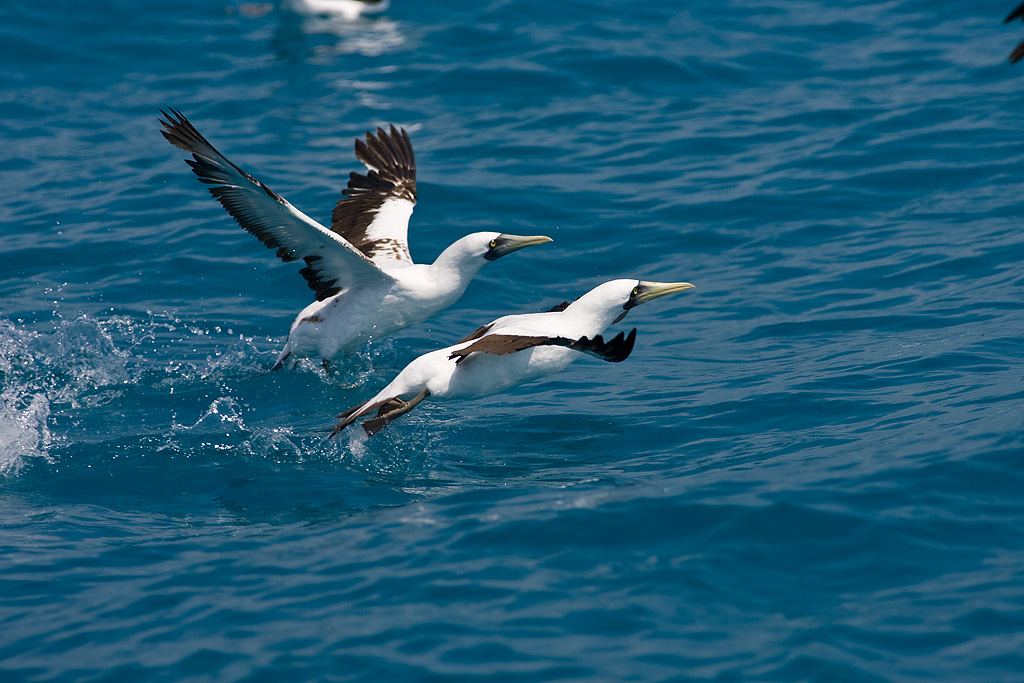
(494, 245)
(617, 297)
(470, 253)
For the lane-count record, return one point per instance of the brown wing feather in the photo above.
(504, 344)
(480, 331)
(614, 350)
(391, 175)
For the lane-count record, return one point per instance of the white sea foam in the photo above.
(76, 364)
(63, 375)
(79, 363)
(24, 432)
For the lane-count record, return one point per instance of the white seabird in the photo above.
(365, 281)
(514, 350)
(346, 9)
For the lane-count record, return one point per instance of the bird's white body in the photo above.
(513, 350)
(346, 9)
(483, 374)
(366, 283)
(414, 293)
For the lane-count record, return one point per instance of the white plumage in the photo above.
(513, 350)
(365, 281)
(347, 9)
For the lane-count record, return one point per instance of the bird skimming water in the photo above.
(513, 350)
(365, 281)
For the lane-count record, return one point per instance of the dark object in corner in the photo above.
(1018, 52)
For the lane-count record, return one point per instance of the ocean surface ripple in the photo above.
(810, 469)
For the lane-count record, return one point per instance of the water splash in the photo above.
(84, 380)
(24, 432)
(76, 365)
(61, 375)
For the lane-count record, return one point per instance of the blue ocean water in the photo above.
(810, 469)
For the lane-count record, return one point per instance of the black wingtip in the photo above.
(180, 132)
(175, 113)
(622, 347)
(1017, 54)
(172, 120)
(615, 350)
(1019, 12)
(630, 342)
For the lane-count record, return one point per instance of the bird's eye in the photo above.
(635, 292)
(493, 244)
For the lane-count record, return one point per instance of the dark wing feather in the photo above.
(374, 215)
(353, 414)
(504, 344)
(480, 331)
(1019, 12)
(332, 264)
(1017, 54)
(615, 350)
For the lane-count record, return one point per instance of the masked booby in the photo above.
(514, 350)
(346, 9)
(365, 281)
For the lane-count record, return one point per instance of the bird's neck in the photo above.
(456, 266)
(590, 318)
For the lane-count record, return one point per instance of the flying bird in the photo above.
(1018, 52)
(346, 9)
(514, 350)
(365, 281)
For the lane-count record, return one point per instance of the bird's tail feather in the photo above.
(285, 358)
(353, 414)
